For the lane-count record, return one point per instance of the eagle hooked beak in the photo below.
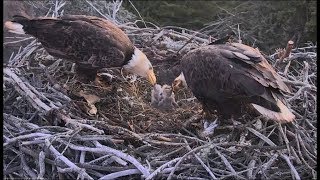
(179, 83)
(151, 77)
(176, 85)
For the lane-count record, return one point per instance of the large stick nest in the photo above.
(57, 125)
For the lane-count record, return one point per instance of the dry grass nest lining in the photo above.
(49, 134)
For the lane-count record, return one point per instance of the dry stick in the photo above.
(298, 93)
(286, 69)
(287, 52)
(118, 160)
(159, 169)
(52, 105)
(82, 156)
(172, 135)
(293, 170)
(120, 174)
(121, 129)
(108, 18)
(13, 42)
(200, 160)
(285, 138)
(251, 165)
(58, 155)
(261, 136)
(101, 149)
(74, 122)
(42, 165)
(184, 156)
(103, 168)
(99, 159)
(168, 154)
(299, 83)
(34, 100)
(300, 153)
(307, 153)
(268, 164)
(305, 72)
(194, 37)
(226, 162)
(296, 157)
(164, 143)
(26, 168)
(116, 8)
(138, 13)
(155, 38)
(32, 135)
(185, 177)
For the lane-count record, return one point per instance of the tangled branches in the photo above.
(48, 133)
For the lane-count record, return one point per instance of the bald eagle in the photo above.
(92, 43)
(233, 78)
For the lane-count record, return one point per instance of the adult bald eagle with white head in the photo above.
(92, 43)
(232, 79)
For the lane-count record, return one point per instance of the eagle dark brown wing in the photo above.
(86, 40)
(230, 76)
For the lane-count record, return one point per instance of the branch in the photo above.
(120, 174)
(74, 167)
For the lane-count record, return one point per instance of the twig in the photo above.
(116, 8)
(74, 122)
(251, 165)
(127, 157)
(159, 169)
(184, 156)
(261, 136)
(288, 50)
(26, 168)
(106, 17)
(286, 53)
(13, 42)
(70, 164)
(268, 164)
(32, 135)
(34, 100)
(298, 93)
(138, 13)
(226, 162)
(293, 169)
(42, 165)
(201, 162)
(120, 174)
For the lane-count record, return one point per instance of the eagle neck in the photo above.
(128, 56)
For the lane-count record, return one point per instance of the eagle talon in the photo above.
(208, 128)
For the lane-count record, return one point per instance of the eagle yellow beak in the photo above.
(151, 77)
(176, 85)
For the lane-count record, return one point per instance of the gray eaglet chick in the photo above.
(163, 97)
(155, 95)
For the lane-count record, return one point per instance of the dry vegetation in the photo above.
(57, 125)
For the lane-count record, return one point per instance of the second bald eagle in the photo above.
(91, 42)
(233, 78)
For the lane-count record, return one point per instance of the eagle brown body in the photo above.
(233, 78)
(91, 42)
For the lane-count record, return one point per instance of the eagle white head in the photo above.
(140, 65)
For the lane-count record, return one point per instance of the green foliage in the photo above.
(268, 24)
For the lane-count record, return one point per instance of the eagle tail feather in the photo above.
(284, 116)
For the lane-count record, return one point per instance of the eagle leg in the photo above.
(208, 128)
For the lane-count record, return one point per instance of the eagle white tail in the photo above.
(284, 116)
(14, 27)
